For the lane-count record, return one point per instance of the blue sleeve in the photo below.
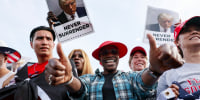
(82, 94)
(142, 90)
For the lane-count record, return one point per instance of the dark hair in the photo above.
(41, 28)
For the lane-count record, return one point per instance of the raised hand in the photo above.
(175, 89)
(164, 57)
(58, 71)
(51, 18)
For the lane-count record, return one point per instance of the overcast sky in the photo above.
(116, 20)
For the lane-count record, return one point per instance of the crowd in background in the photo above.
(170, 72)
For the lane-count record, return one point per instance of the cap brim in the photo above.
(134, 50)
(193, 21)
(13, 55)
(121, 47)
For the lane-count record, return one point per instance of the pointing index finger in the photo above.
(152, 42)
(61, 53)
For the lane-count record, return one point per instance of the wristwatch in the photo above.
(153, 74)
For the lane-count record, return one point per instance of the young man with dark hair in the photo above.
(42, 42)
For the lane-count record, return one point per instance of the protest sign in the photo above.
(70, 21)
(160, 23)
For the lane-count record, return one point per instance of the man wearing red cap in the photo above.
(111, 84)
(187, 40)
(138, 59)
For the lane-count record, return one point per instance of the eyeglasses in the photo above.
(109, 51)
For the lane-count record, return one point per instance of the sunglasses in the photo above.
(109, 51)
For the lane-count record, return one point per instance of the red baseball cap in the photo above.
(138, 48)
(122, 48)
(193, 20)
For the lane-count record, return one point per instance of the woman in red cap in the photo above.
(186, 77)
(138, 59)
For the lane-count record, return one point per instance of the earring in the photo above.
(177, 44)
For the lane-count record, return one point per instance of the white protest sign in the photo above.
(68, 23)
(160, 37)
(160, 23)
(73, 29)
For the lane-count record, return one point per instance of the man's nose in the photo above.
(139, 58)
(44, 41)
(76, 57)
(110, 54)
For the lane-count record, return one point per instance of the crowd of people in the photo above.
(72, 77)
(170, 72)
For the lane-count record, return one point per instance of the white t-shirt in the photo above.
(188, 76)
(5, 77)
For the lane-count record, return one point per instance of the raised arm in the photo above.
(59, 71)
(161, 59)
(51, 19)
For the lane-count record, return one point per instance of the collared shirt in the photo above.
(168, 30)
(69, 17)
(127, 86)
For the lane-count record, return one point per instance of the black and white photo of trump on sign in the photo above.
(161, 24)
(68, 18)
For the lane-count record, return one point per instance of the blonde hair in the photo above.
(87, 68)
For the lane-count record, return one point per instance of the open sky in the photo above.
(115, 20)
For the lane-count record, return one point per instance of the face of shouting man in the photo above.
(43, 43)
(109, 58)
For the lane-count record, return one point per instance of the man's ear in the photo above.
(5, 58)
(31, 43)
